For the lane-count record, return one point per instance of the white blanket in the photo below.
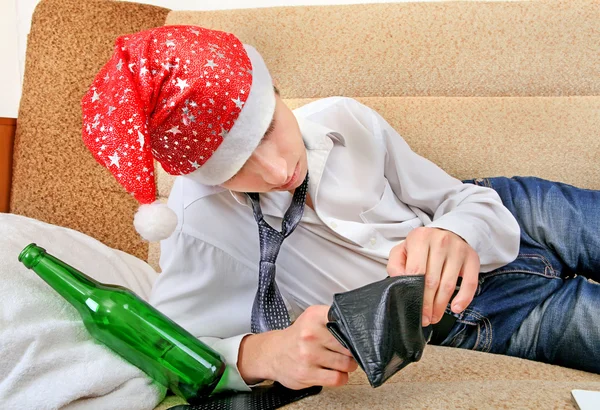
(48, 360)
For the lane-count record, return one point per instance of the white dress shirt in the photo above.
(369, 190)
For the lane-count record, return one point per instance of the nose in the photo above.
(272, 167)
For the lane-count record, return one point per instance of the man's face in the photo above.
(279, 162)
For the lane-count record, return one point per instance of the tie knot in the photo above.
(270, 242)
(270, 238)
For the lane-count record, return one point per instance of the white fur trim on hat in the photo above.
(155, 221)
(247, 131)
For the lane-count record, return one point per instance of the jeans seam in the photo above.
(486, 343)
(522, 271)
(549, 271)
(545, 261)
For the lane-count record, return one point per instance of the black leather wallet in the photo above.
(380, 324)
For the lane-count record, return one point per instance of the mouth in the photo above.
(292, 180)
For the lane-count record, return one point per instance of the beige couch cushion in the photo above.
(422, 49)
(481, 89)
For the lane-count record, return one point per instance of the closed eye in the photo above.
(267, 133)
(269, 130)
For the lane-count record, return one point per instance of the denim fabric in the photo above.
(544, 305)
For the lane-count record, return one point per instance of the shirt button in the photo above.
(333, 225)
(373, 241)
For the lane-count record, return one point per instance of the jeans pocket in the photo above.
(472, 331)
(456, 336)
(526, 262)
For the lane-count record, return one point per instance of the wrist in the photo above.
(254, 358)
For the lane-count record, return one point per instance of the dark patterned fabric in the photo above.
(269, 311)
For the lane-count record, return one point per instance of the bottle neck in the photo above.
(71, 284)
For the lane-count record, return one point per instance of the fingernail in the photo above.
(426, 321)
(456, 308)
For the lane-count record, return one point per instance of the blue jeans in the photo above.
(541, 306)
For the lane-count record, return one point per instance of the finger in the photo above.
(335, 361)
(416, 263)
(447, 286)
(329, 342)
(330, 378)
(438, 254)
(317, 314)
(316, 317)
(417, 253)
(468, 286)
(397, 261)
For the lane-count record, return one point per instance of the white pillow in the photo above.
(48, 359)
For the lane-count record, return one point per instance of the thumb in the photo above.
(397, 262)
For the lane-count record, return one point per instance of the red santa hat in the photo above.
(196, 100)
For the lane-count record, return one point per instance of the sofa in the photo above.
(480, 88)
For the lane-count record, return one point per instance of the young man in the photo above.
(203, 105)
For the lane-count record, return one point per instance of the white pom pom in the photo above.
(155, 221)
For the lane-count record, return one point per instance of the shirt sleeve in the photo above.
(472, 212)
(198, 290)
(229, 348)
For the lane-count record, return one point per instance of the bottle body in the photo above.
(135, 330)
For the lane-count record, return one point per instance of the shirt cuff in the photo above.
(232, 379)
(473, 235)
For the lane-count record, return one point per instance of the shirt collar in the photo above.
(316, 137)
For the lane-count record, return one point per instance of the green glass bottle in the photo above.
(132, 328)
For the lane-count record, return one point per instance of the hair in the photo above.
(276, 90)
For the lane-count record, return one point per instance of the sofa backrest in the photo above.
(480, 88)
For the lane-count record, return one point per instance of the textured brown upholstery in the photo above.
(55, 179)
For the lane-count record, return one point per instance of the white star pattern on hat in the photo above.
(211, 64)
(182, 84)
(174, 130)
(238, 103)
(141, 140)
(114, 159)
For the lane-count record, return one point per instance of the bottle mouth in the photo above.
(31, 255)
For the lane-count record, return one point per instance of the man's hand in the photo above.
(442, 256)
(303, 355)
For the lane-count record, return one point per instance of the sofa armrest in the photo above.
(7, 137)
